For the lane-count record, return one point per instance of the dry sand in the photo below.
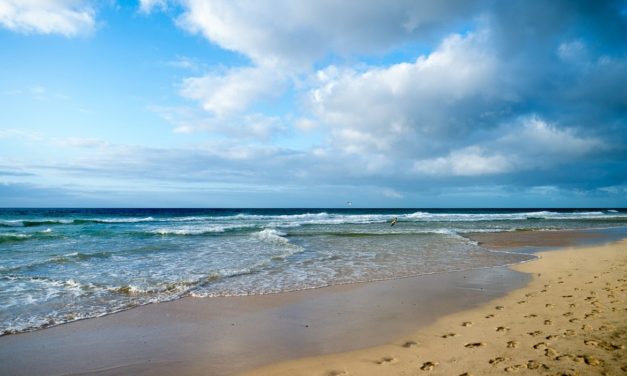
(570, 320)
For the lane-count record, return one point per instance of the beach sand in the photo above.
(571, 319)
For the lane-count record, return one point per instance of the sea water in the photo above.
(61, 265)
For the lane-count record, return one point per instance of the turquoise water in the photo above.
(60, 265)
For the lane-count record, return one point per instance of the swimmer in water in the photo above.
(393, 221)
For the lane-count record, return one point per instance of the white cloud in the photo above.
(66, 17)
(256, 126)
(536, 137)
(298, 33)
(147, 6)
(391, 193)
(234, 90)
(470, 161)
(528, 144)
(406, 105)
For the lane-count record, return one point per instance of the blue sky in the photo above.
(190, 103)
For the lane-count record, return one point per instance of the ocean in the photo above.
(61, 265)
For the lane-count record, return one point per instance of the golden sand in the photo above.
(570, 320)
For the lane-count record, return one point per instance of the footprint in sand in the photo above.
(572, 305)
(410, 344)
(387, 360)
(515, 368)
(489, 316)
(467, 323)
(531, 315)
(428, 366)
(548, 322)
(521, 302)
(540, 345)
(608, 346)
(502, 329)
(567, 314)
(512, 344)
(532, 364)
(569, 333)
(550, 352)
(338, 373)
(590, 342)
(470, 374)
(573, 320)
(586, 327)
(473, 345)
(497, 360)
(535, 333)
(499, 307)
(529, 295)
(549, 305)
(551, 337)
(449, 335)
(591, 360)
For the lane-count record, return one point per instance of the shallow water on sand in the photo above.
(60, 265)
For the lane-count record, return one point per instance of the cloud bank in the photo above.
(66, 17)
(400, 96)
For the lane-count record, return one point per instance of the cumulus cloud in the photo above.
(66, 17)
(469, 161)
(405, 108)
(538, 138)
(297, 34)
(232, 91)
(529, 143)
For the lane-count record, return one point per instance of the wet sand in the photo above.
(223, 336)
(534, 239)
(570, 320)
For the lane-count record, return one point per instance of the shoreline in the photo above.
(223, 336)
(569, 320)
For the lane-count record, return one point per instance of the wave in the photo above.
(60, 259)
(273, 236)
(322, 218)
(112, 220)
(198, 230)
(79, 221)
(32, 223)
(6, 237)
(10, 237)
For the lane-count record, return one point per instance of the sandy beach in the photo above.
(569, 320)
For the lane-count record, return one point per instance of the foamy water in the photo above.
(62, 265)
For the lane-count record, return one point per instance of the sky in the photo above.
(391, 103)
